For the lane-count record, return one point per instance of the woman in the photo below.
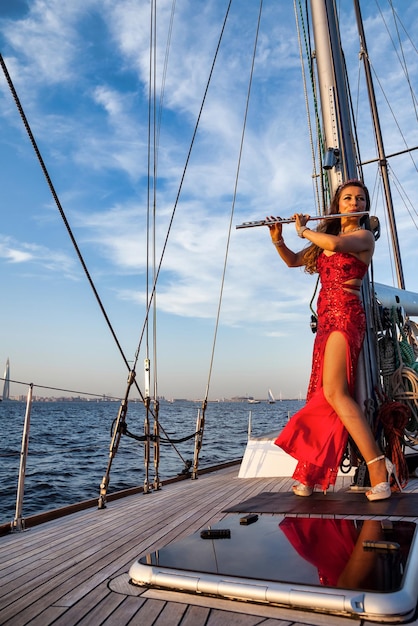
(340, 251)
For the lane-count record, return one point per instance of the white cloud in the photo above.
(82, 71)
(36, 257)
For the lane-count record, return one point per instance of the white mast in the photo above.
(340, 144)
(340, 156)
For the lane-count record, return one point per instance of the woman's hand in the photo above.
(301, 219)
(275, 229)
(300, 222)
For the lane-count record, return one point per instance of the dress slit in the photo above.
(315, 435)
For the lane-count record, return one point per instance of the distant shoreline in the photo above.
(138, 400)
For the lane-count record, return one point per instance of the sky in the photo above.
(81, 72)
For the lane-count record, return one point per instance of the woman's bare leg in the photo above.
(336, 392)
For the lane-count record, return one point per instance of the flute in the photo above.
(289, 220)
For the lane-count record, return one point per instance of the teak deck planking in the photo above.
(74, 570)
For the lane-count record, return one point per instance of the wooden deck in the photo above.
(74, 570)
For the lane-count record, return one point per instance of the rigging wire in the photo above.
(151, 157)
(156, 427)
(315, 174)
(400, 55)
(131, 378)
(151, 112)
(164, 76)
(393, 114)
(201, 416)
(180, 188)
(75, 391)
(402, 193)
(405, 198)
(61, 210)
(234, 197)
(151, 294)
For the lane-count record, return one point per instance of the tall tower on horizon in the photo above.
(6, 386)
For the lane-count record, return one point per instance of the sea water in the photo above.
(69, 446)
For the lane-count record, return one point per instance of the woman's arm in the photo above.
(359, 242)
(292, 259)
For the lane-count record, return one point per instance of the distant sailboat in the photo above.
(271, 398)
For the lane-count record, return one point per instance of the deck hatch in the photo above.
(359, 567)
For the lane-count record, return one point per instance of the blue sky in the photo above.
(81, 70)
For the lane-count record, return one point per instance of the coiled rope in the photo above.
(405, 389)
(397, 413)
(394, 417)
(404, 380)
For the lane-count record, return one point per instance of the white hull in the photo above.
(263, 459)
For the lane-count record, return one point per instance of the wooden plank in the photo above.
(101, 612)
(165, 514)
(175, 613)
(37, 595)
(149, 612)
(49, 616)
(218, 618)
(124, 613)
(195, 616)
(24, 613)
(277, 622)
(59, 572)
(287, 615)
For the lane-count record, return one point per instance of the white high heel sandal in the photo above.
(302, 490)
(382, 491)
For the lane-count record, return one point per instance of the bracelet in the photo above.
(279, 242)
(301, 230)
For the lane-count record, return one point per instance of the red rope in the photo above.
(394, 417)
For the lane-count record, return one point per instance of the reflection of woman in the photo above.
(335, 548)
(340, 251)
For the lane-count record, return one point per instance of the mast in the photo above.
(380, 147)
(340, 159)
(340, 162)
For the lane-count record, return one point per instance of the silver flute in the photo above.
(289, 220)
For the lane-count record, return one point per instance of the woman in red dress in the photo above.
(340, 251)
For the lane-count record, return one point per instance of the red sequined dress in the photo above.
(315, 435)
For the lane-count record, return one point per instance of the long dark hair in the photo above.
(329, 226)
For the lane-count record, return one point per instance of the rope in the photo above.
(394, 417)
(406, 352)
(405, 378)
(151, 437)
(405, 389)
(399, 372)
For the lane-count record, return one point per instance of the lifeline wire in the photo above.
(61, 210)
